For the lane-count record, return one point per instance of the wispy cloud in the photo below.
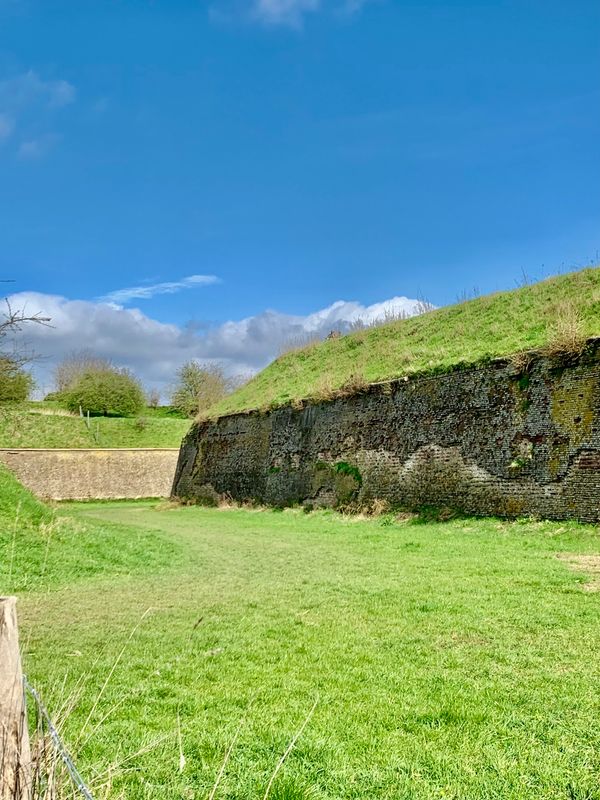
(280, 13)
(146, 291)
(28, 103)
(284, 12)
(6, 127)
(21, 91)
(36, 148)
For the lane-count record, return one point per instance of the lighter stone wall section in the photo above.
(101, 474)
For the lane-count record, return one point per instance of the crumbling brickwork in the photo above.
(490, 440)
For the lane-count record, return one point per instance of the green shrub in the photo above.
(15, 383)
(108, 392)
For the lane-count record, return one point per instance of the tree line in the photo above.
(84, 381)
(88, 383)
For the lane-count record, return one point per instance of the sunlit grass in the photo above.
(46, 425)
(467, 333)
(449, 660)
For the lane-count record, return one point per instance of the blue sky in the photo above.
(295, 153)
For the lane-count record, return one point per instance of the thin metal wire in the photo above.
(58, 743)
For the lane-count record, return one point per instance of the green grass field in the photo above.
(449, 660)
(46, 425)
(467, 333)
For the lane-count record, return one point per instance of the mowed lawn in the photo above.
(447, 660)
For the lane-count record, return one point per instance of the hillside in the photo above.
(534, 316)
(46, 425)
(41, 547)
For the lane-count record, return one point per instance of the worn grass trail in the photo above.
(455, 660)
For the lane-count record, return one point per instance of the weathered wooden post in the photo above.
(15, 758)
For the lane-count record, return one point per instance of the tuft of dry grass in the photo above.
(49, 775)
(356, 382)
(566, 333)
(522, 360)
(587, 564)
(299, 344)
(324, 388)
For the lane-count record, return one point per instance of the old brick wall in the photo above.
(491, 440)
(98, 473)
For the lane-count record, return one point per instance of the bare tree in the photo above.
(15, 382)
(75, 365)
(198, 387)
(13, 320)
(153, 398)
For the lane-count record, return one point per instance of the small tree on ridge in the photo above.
(198, 387)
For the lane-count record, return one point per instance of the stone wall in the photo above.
(492, 440)
(94, 474)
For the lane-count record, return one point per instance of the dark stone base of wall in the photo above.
(490, 441)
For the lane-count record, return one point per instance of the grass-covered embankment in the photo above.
(47, 425)
(467, 333)
(42, 547)
(451, 660)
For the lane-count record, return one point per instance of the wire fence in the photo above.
(50, 756)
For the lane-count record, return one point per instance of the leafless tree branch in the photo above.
(14, 319)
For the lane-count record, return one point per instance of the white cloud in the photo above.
(144, 292)
(155, 350)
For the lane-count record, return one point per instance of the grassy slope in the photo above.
(490, 326)
(40, 546)
(457, 660)
(25, 426)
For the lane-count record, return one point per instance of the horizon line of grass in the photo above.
(558, 314)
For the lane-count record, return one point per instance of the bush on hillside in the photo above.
(107, 392)
(199, 386)
(15, 383)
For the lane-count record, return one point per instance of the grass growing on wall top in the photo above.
(46, 425)
(554, 313)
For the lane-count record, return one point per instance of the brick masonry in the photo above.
(93, 474)
(490, 440)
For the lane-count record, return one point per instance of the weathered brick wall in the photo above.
(490, 440)
(94, 474)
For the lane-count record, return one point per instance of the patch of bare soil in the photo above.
(589, 564)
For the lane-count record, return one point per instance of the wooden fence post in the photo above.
(15, 758)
